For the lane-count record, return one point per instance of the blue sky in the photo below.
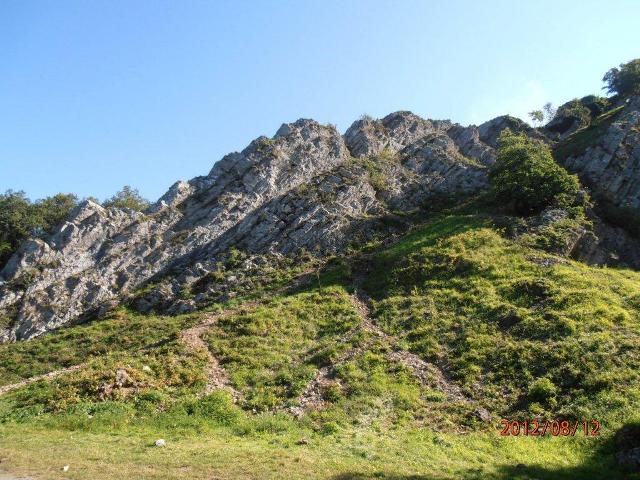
(95, 95)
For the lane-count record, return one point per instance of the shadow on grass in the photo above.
(506, 472)
(600, 466)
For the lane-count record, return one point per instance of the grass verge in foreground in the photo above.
(353, 454)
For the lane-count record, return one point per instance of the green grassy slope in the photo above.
(521, 332)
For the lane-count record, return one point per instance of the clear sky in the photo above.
(98, 94)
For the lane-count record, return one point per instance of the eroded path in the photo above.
(217, 377)
(44, 376)
(428, 374)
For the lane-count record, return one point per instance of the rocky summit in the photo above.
(306, 189)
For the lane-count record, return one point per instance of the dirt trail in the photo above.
(217, 377)
(44, 376)
(313, 396)
(428, 374)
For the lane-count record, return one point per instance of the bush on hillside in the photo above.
(577, 111)
(128, 197)
(526, 177)
(20, 218)
(624, 80)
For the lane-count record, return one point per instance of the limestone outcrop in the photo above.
(308, 188)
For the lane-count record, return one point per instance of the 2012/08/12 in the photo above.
(555, 428)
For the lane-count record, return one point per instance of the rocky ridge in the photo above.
(611, 167)
(307, 188)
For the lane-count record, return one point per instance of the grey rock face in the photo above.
(307, 188)
(432, 167)
(608, 245)
(100, 254)
(468, 141)
(490, 131)
(575, 115)
(394, 132)
(479, 142)
(611, 168)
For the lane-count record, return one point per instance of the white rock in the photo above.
(161, 443)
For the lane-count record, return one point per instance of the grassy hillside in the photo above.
(522, 331)
(375, 368)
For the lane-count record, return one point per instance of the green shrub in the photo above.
(217, 407)
(20, 218)
(543, 391)
(526, 177)
(128, 197)
(624, 80)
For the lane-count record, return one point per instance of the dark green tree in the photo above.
(54, 210)
(624, 80)
(15, 225)
(20, 218)
(526, 177)
(128, 197)
(537, 117)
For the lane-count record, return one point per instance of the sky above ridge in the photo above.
(96, 95)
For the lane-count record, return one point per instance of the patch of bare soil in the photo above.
(217, 377)
(44, 376)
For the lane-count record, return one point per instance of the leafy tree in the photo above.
(624, 80)
(54, 210)
(526, 177)
(549, 111)
(20, 218)
(128, 197)
(536, 116)
(14, 222)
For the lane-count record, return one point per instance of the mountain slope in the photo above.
(443, 331)
(306, 189)
(325, 302)
(299, 190)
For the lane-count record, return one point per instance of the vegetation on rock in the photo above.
(526, 177)
(128, 197)
(624, 80)
(20, 218)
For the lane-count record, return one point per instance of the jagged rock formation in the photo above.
(611, 167)
(306, 189)
(605, 244)
(574, 115)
